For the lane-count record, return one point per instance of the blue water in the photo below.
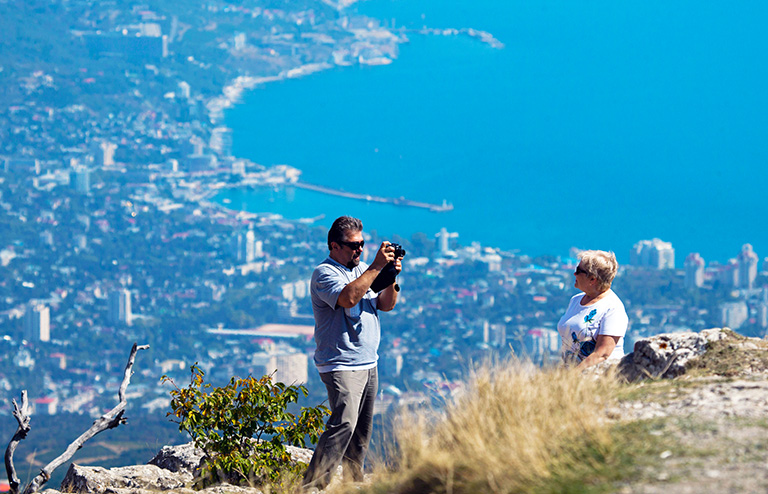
(599, 124)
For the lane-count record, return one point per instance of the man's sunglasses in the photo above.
(581, 271)
(352, 245)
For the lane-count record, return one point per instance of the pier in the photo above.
(397, 201)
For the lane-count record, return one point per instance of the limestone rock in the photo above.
(302, 455)
(135, 479)
(184, 458)
(666, 355)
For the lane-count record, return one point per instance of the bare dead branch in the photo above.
(22, 417)
(109, 420)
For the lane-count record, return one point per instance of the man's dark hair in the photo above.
(341, 226)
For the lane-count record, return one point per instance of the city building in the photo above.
(747, 261)
(694, 271)
(200, 162)
(28, 165)
(728, 275)
(292, 368)
(46, 406)
(288, 368)
(120, 307)
(391, 363)
(541, 344)
(762, 315)
(221, 141)
(443, 242)
(105, 153)
(80, 180)
(734, 314)
(184, 90)
(654, 253)
(139, 42)
(295, 290)
(246, 247)
(37, 323)
(497, 335)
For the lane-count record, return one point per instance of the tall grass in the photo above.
(514, 429)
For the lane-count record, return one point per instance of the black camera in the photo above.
(387, 275)
(399, 251)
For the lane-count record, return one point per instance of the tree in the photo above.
(243, 427)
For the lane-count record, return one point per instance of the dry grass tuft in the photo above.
(736, 355)
(515, 429)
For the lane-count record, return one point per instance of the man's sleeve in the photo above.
(327, 284)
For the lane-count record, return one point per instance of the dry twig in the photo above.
(109, 420)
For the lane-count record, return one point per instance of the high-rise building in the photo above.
(81, 241)
(694, 271)
(654, 253)
(221, 141)
(443, 241)
(184, 90)
(497, 335)
(734, 314)
(246, 247)
(105, 153)
(288, 368)
(747, 260)
(120, 307)
(541, 344)
(728, 276)
(80, 180)
(46, 238)
(292, 368)
(37, 323)
(762, 314)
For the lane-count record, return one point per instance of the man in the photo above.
(347, 334)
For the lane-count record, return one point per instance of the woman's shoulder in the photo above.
(612, 299)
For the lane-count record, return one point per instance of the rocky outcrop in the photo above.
(137, 478)
(666, 355)
(184, 458)
(670, 355)
(172, 469)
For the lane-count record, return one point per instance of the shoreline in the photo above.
(343, 56)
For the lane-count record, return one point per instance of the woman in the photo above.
(593, 327)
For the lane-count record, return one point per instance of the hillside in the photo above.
(700, 428)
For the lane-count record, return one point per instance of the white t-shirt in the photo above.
(583, 323)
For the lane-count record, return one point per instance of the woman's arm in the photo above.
(603, 349)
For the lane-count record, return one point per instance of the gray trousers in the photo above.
(351, 395)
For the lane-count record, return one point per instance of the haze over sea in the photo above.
(598, 124)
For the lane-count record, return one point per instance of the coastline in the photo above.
(362, 52)
(232, 93)
(374, 45)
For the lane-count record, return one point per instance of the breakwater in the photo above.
(396, 201)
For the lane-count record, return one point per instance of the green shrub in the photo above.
(243, 427)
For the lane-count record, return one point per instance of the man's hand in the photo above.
(384, 256)
(398, 265)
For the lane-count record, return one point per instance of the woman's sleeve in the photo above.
(615, 322)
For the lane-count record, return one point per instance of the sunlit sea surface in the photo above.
(598, 124)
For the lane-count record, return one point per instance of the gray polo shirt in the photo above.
(347, 339)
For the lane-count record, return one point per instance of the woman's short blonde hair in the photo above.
(600, 264)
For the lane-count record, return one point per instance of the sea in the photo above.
(598, 124)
